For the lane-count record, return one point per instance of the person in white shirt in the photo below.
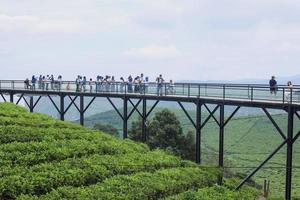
(288, 91)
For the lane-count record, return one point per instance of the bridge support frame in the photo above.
(288, 139)
(289, 153)
(221, 141)
(198, 131)
(11, 97)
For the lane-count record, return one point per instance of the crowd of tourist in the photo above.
(137, 84)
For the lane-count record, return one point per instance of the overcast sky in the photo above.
(182, 39)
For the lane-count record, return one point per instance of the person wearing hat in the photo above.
(273, 85)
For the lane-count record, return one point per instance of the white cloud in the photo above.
(153, 52)
(33, 24)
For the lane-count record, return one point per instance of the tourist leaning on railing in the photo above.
(273, 85)
(27, 84)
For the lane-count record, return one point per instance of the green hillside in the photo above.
(43, 158)
(248, 141)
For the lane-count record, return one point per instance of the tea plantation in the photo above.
(44, 158)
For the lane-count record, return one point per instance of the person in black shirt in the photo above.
(273, 85)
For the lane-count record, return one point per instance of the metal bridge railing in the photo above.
(249, 92)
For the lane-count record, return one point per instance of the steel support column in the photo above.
(144, 118)
(198, 131)
(11, 97)
(289, 153)
(221, 140)
(81, 110)
(31, 105)
(125, 118)
(62, 107)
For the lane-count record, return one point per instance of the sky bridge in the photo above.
(198, 94)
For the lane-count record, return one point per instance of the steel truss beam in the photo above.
(116, 109)
(125, 116)
(231, 116)
(209, 116)
(187, 114)
(4, 99)
(135, 108)
(212, 114)
(74, 103)
(20, 98)
(261, 165)
(297, 114)
(274, 123)
(32, 104)
(152, 108)
(288, 141)
(54, 104)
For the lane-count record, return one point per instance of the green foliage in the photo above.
(143, 185)
(107, 128)
(216, 193)
(165, 132)
(43, 158)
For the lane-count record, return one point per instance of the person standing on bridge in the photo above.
(91, 85)
(77, 81)
(160, 81)
(122, 84)
(59, 82)
(33, 81)
(84, 84)
(47, 82)
(273, 85)
(288, 91)
(130, 79)
(52, 82)
(40, 82)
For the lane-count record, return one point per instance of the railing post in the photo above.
(189, 90)
(283, 96)
(199, 90)
(13, 85)
(165, 89)
(224, 92)
(289, 153)
(251, 93)
(248, 91)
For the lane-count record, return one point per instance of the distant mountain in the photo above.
(281, 80)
